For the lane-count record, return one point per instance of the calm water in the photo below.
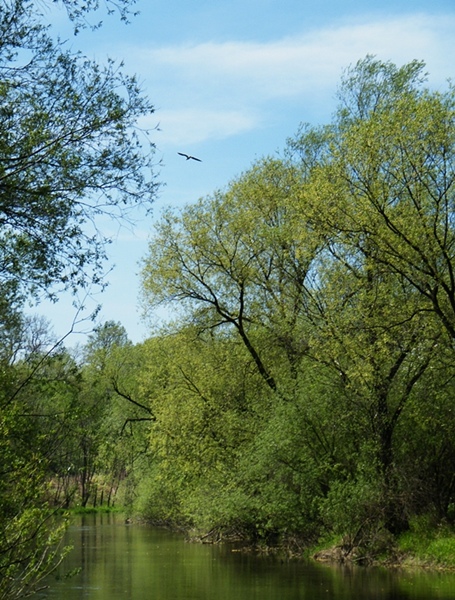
(134, 562)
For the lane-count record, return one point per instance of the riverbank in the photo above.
(418, 548)
(421, 547)
(113, 560)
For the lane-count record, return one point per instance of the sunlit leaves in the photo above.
(332, 271)
(69, 154)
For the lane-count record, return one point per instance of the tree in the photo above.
(381, 191)
(392, 163)
(194, 383)
(244, 267)
(332, 269)
(33, 424)
(110, 422)
(78, 12)
(232, 262)
(71, 154)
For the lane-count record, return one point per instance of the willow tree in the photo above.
(231, 261)
(235, 268)
(386, 188)
(333, 267)
(382, 191)
(410, 196)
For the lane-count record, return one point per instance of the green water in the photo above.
(135, 562)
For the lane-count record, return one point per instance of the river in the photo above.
(137, 562)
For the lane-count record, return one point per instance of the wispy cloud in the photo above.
(212, 90)
(191, 125)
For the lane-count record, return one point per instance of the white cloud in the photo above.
(319, 54)
(212, 90)
(182, 126)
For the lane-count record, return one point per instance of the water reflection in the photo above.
(120, 561)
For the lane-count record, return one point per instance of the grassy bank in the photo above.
(427, 546)
(423, 545)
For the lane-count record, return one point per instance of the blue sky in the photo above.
(230, 82)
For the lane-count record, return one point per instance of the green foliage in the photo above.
(104, 436)
(29, 528)
(427, 543)
(70, 155)
(352, 507)
(232, 263)
(317, 291)
(442, 551)
(63, 442)
(30, 551)
(304, 390)
(194, 388)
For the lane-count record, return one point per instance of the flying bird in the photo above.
(187, 156)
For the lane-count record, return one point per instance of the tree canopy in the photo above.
(71, 156)
(330, 271)
(70, 153)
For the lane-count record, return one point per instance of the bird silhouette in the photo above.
(188, 157)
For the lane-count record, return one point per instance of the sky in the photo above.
(230, 82)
